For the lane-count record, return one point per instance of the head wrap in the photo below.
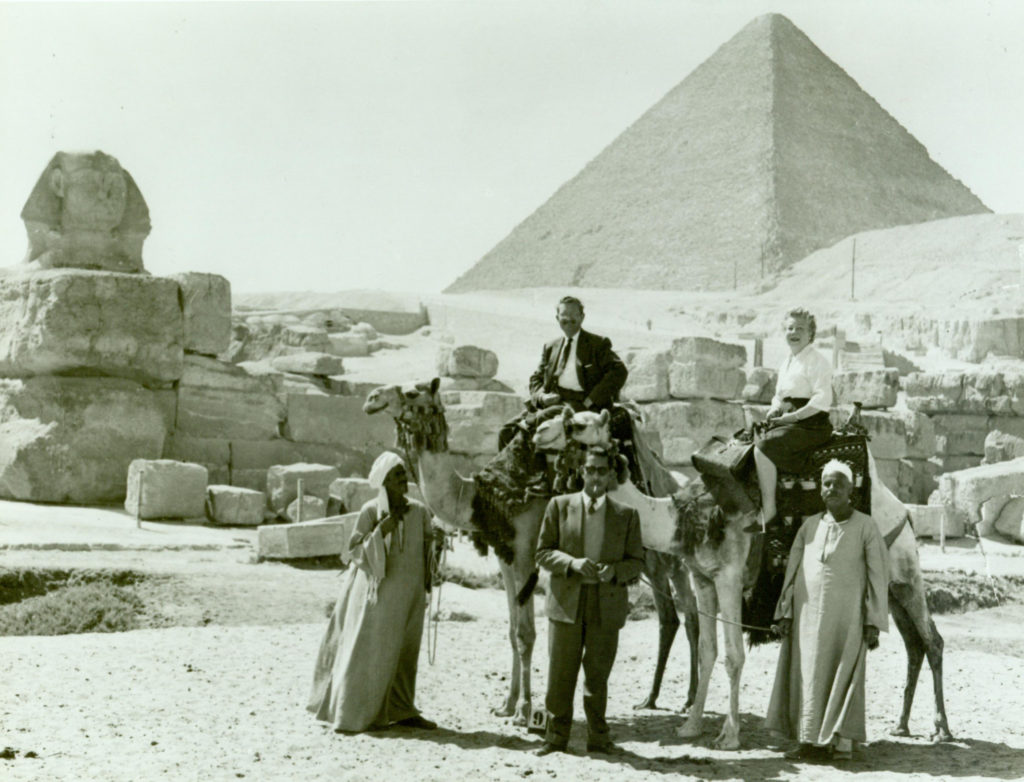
(383, 465)
(834, 465)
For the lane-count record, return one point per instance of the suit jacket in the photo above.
(561, 541)
(601, 372)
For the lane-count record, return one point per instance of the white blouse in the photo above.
(807, 375)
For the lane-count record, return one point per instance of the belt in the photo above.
(570, 394)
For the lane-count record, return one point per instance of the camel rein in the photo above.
(704, 613)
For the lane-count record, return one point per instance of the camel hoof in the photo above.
(689, 730)
(503, 711)
(727, 742)
(647, 703)
(942, 734)
(900, 730)
(686, 708)
(520, 721)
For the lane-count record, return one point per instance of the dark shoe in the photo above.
(605, 748)
(417, 721)
(807, 752)
(548, 748)
(842, 755)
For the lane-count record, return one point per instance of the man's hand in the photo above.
(871, 636)
(547, 400)
(387, 525)
(773, 414)
(585, 567)
(605, 573)
(782, 627)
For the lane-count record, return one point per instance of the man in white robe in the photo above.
(832, 607)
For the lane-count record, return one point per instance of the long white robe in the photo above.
(836, 582)
(365, 671)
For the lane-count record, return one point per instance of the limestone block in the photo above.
(349, 494)
(475, 419)
(888, 471)
(202, 450)
(304, 384)
(1014, 385)
(955, 463)
(870, 387)
(206, 308)
(960, 435)
(249, 479)
(166, 489)
(466, 361)
(86, 211)
(309, 364)
(920, 433)
(63, 321)
(704, 350)
(262, 454)
(985, 392)
(760, 385)
(217, 412)
(207, 372)
(325, 537)
(934, 392)
(366, 329)
(1002, 447)
(888, 435)
(1010, 521)
(648, 375)
(686, 426)
(308, 338)
(963, 493)
(235, 506)
(917, 479)
(339, 421)
(71, 439)
(459, 384)
(349, 344)
(928, 521)
(312, 508)
(344, 387)
(283, 482)
(699, 380)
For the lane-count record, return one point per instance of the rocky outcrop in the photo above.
(71, 439)
(466, 361)
(65, 321)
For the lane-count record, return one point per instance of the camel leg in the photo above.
(730, 595)
(707, 603)
(655, 567)
(680, 578)
(508, 709)
(911, 598)
(915, 657)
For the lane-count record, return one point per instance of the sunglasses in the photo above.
(592, 470)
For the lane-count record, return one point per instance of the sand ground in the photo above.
(224, 698)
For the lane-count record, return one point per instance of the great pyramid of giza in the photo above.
(766, 152)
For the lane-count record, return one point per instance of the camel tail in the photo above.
(528, 587)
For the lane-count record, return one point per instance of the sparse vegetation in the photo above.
(96, 607)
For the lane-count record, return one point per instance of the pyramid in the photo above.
(766, 152)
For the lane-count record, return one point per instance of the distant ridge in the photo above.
(766, 152)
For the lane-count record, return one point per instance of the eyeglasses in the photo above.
(591, 469)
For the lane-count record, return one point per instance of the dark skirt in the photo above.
(789, 445)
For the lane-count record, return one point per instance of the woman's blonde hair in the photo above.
(801, 314)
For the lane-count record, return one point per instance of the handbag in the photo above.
(725, 458)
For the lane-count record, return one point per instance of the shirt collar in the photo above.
(598, 503)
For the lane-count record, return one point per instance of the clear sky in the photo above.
(329, 146)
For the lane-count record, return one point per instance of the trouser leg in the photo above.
(565, 646)
(600, 642)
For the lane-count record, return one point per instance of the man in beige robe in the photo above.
(832, 607)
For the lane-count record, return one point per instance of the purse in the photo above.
(725, 458)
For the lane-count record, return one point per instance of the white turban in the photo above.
(384, 464)
(834, 465)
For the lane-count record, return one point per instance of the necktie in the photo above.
(592, 507)
(563, 357)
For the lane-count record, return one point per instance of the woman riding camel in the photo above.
(797, 421)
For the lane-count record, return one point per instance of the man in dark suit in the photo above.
(592, 547)
(579, 369)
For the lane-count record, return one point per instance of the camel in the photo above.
(422, 432)
(717, 573)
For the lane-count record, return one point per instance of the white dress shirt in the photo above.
(570, 378)
(807, 375)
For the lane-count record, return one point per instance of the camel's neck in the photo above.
(448, 495)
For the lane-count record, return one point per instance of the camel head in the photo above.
(417, 410)
(590, 428)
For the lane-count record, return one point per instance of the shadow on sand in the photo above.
(915, 755)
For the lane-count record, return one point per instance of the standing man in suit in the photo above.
(592, 547)
(579, 369)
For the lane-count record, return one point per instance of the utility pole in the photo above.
(853, 267)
